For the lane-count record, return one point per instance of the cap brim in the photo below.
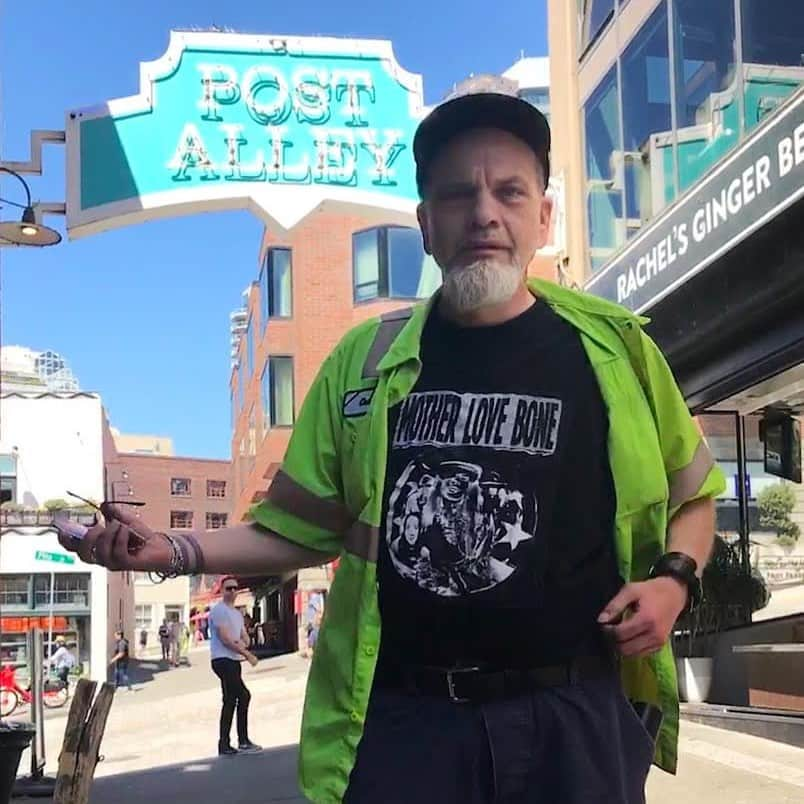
(480, 110)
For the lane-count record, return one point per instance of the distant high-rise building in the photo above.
(25, 369)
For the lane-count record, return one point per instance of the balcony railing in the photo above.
(42, 519)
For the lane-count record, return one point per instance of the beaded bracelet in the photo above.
(178, 560)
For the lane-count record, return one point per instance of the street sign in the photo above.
(56, 558)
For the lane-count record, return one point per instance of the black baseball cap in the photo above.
(483, 101)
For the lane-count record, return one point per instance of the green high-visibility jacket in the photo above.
(329, 496)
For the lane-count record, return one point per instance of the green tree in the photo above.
(776, 504)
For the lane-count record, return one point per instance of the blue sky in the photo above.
(142, 313)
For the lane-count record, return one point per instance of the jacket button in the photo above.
(370, 650)
(354, 717)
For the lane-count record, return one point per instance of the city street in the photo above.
(160, 746)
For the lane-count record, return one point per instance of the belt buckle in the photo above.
(451, 683)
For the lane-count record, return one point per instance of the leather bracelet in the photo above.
(178, 559)
(196, 566)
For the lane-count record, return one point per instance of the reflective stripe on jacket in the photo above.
(328, 496)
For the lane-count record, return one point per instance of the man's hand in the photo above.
(641, 616)
(121, 542)
(251, 658)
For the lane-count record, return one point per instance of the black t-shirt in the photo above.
(497, 539)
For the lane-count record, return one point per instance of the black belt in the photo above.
(476, 685)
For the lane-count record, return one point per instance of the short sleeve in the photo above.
(691, 469)
(305, 501)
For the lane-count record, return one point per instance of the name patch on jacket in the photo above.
(507, 422)
(357, 403)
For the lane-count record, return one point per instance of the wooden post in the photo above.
(82, 738)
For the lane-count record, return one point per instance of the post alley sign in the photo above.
(273, 124)
(757, 181)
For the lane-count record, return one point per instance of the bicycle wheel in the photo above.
(53, 699)
(9, 701)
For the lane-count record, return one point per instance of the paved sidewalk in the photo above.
(163, 750)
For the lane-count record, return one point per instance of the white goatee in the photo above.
(481, 284)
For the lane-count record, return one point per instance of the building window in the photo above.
(265, 393)
(389, 263)
(773, 33)
(174, 614)
(708, 121)
(69, 590)
(216, 521)
(14, 592)
(645, 75)
(249, 345)
(144, 617)
(252, 432)
(180, 486)
(277, 286)
(604, 198)
(280, 391)
(181, 520)
(8, 479)
(596, 15)
(216, 488)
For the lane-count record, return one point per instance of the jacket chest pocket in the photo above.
(634, 449)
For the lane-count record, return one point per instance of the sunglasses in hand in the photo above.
(75, 530)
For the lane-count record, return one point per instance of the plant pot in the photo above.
(694, 678)
(14, 739)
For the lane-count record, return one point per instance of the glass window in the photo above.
(144, 616)
(595, 16)
(707, 108)
(405, 259)
(216, 521)
(265, 391)
(69, 590)
(645, 75)
(8, 478)
(604, 197)
(389, 262)
(180, 486)
(216, 488)
(773, 37)
(278, 288)
(252, 432)
(366, 265)
(249, 345)
(174, 614)
(280, 374)
(181, 520)
(240, 398)
(14, 591)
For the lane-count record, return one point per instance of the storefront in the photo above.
(688, 208)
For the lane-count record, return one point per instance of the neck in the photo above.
(493, 314)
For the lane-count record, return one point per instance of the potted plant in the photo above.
(729, 596)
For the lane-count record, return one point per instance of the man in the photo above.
(173, 642)
(62, 660)
(507, 669)
(228, 646)
(143, 642)
(120, 661)
(164, 640)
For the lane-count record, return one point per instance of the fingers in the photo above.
(105, 544)
(620, 603)
(641, 645)
(86, 546)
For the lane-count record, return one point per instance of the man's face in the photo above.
(484, 216)
(229, 590)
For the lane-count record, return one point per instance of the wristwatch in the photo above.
(683, 568)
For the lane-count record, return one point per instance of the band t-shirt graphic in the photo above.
(497, 493)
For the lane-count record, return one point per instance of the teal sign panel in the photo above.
(276, 124)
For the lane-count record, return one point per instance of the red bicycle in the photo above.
(13, 696)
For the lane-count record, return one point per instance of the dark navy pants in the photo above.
(579, 744)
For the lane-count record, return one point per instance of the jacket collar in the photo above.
(583, 310)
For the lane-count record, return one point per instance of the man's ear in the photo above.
(545, 216)
(422, 213)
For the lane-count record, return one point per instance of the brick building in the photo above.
(179, 494)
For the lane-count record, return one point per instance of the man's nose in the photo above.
(484, 211)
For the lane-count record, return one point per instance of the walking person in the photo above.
(143, 642)
(174, 633)
(120, 661)
(228, 647)
(164, 640)
(530, 446)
